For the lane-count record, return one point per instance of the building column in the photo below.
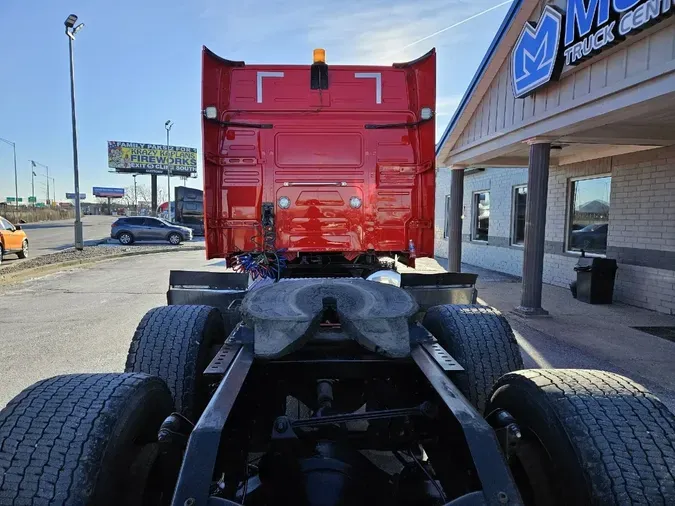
(454, 217)
(535, 228)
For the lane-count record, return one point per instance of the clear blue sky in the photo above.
(137, 64)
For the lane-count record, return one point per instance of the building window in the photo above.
(589, 215)
(518, 225)
(481, 216)
(447, 216)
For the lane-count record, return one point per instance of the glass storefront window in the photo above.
(518, 226)
(589, 215)
(481, 205)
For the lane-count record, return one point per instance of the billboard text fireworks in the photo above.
(138, 158)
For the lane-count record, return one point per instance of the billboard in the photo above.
(114, 193)
(132, 157)
(71, 196)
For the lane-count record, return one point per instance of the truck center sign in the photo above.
(132, 157)
(585, 28)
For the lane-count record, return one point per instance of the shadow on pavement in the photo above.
(49, 224)
(93, 242)
(484, 275)
(115, 242)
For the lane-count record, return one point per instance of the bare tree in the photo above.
(128, 199)
(144, 193)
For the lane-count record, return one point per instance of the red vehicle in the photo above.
(326, 162)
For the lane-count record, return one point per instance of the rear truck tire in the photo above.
(175, 238)
(24, 250)
(2, 253)
(588, 437)
(125, 238)
(82, 439)
(176, 343)
(481, 340)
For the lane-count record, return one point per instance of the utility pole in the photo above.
(71, 30)
(32, 184)
(135, 196)
(35, 164)
(16, 176)
(168, 126)
(53, 189)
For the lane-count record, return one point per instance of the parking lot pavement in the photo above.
(52, 236)
(81, 320)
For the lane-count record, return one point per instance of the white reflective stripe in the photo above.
(260, 81)
(378, 83)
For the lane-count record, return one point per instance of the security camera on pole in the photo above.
(71, 30)
(168, 126)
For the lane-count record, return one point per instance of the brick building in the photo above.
(582, 156)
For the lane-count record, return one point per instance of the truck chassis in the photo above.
(234, 364)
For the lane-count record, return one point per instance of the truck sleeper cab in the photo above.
(319, 160)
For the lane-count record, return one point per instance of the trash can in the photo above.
(595, 280)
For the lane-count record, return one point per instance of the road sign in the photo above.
(40, 204)
(32, 199)
(13, 199)
(71, 196)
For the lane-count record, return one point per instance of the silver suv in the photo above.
(138, 228)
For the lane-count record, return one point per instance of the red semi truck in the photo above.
(326, 163)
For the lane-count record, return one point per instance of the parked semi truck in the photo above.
(189, 208)
(316, 374)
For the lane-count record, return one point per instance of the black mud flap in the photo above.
(437, 289)
(223, 290)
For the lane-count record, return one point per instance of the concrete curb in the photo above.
(22, 275)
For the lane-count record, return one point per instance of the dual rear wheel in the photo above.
(587, 437)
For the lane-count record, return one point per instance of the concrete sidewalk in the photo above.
(579, 335)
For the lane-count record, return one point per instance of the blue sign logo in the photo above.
(536, 59)
(542, 50)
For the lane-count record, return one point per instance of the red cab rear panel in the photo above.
(276, 140)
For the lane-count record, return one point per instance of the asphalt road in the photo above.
(52, 236)
(82, 320)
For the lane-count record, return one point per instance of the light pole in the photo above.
(71, 30)
(168, 126)
(53, 200)
(33, 165)
(135, 196)
(16, 176)
(32, 184)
